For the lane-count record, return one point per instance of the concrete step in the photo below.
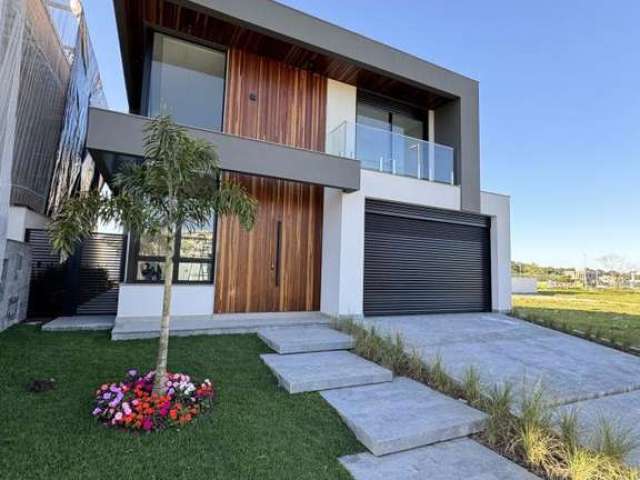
(305, 339)
(456, 459)
(130, 328)
(308, 372)
(403, 414)
(80, 323)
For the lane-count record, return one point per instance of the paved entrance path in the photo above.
(575, 373)
(412, 431)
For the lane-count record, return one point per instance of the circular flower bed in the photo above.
(131, 404)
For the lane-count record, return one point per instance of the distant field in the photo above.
(613, 314)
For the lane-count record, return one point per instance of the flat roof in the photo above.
(296, 26)
(300, 29)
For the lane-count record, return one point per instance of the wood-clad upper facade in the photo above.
(272, 30)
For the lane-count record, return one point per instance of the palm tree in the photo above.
(178, 185)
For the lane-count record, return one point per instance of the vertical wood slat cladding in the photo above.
(289, 106)
(246, 261)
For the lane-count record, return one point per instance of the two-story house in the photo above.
(365, 161)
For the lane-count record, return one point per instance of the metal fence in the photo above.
(85, 284)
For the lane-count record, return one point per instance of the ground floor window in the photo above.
(193, 260)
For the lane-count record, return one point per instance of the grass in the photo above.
(612, 315)
(530, 439)
(256, 430)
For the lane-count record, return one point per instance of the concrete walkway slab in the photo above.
(306, 372)
(403, 414)
(505, 349)
(130, 328)
(622, 411)
(80, 323)
(305, 339)
(454, 460)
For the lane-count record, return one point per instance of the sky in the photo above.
(559, 106)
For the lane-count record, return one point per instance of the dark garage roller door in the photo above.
(422, 260)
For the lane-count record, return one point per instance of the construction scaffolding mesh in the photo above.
(49, 72)
(74, 169)
(44, 75)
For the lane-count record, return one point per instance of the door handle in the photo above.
(278, 248)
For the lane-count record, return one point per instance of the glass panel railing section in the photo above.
(390, 152)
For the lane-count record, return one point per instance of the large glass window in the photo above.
(187, 81)
(193, 260)
(386, 135)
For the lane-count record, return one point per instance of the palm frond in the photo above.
(233, 199)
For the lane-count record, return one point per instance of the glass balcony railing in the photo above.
(390, 152)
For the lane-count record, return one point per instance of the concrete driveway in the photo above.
(576, 374)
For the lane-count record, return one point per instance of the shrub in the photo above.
(131, 405)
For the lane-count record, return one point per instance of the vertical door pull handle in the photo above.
(278, 248)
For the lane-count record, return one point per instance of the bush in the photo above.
(131, 405)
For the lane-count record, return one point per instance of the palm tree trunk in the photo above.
(163, 343)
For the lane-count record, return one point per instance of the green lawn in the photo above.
(256, 431)
(613, 314)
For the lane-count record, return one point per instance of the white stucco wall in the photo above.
(21, 219)
(341, 107)
(497, 206)
(342, 253)
(524, 285)
(140, 300)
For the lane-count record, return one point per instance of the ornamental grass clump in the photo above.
(132, 405)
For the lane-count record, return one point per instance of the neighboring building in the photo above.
(365, 161)
(588, 277)
(524, 285)
(44, 99)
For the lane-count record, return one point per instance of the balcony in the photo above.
(116, 138)
(390, 152)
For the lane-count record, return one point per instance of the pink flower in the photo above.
(147, 424)
(118, 416)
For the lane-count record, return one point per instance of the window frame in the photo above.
(392, 106)
(151, 33)
(134, 258)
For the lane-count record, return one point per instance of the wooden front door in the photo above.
(276, 266)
